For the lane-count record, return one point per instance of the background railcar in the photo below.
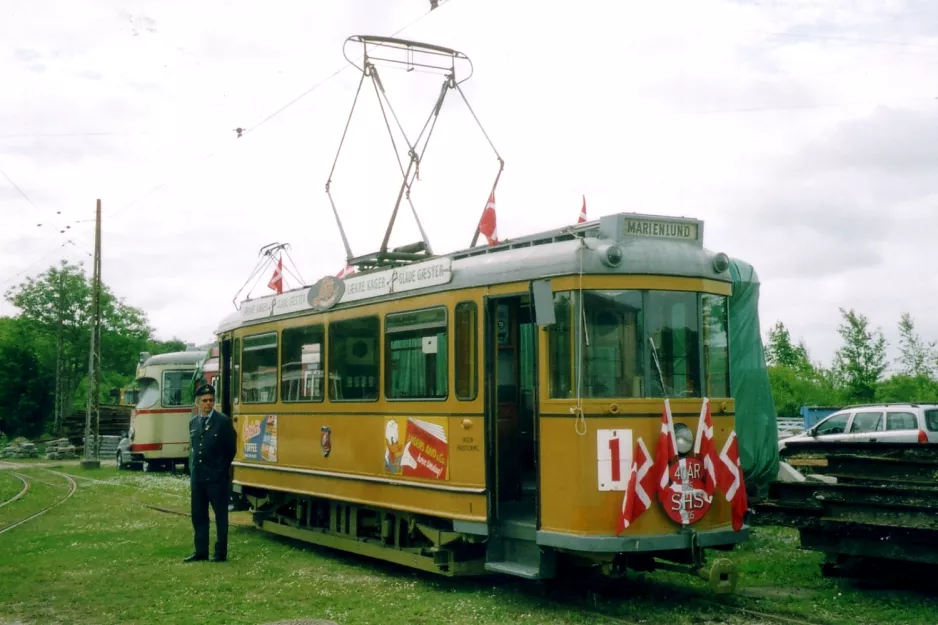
(481, 411)
(159, 422)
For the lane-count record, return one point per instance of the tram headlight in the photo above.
(684, 438)
(611, 255)
(721, 262)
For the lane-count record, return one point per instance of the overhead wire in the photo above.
(244, 132)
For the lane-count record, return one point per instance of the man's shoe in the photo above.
(195, 557)
(219, 558)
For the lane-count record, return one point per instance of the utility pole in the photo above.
(60, 319)
(92, 444)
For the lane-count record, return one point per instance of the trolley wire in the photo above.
(243, 132)
(215, 151)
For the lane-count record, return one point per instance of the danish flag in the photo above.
(347, 271)
(666, 451)
(704, 449)
(641, 483)
(582, 212)
(730, 480)
(276, 281)
(487, 225)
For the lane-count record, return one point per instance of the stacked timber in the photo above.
(20, 448)
(60, 449)
(115, 420)
(872, 501)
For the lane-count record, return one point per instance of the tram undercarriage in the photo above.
(432, 544)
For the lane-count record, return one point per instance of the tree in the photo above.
(25, 392)
(56, 309)
(781, 352)
(860, 363)
(916, 358)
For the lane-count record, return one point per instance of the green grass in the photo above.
(105, 558)
(9, 486)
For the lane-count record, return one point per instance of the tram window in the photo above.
(613, 355)
(466, 351)
(177, 388)
(353, 359)
(259, 369)
(716, 345)
(416, 365)
(149, 393)
(560, 347)
(671, 320)
(302, 364)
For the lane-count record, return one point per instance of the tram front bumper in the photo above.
(687, 539)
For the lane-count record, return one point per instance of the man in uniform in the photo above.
(212, 447)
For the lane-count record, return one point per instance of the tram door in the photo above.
(512, 390)
(223, 392)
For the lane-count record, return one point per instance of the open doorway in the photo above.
(512, 363)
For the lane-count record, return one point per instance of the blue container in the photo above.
(813, 414)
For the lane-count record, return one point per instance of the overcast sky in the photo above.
(804, 133)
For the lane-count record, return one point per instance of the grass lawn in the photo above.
(103, 557)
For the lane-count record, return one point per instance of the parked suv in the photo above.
(887, 423)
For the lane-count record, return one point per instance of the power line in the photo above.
(847, 39)
(243, 131)
(795, 107)
(21, 192)
(43, 135)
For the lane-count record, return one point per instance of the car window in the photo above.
(931, 420)
(834, 424)
(866, 422)
(901, 421)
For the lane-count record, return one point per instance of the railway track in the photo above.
(72, 487)
(588, 602)
(25, 481)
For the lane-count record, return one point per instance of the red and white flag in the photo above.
(704, 448)
(637, 492)
(347, 271)
(666, 451)
(730, 480)
(276, 281)
(582, 212)
(487, 225)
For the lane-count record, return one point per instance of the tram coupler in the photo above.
(721, 575)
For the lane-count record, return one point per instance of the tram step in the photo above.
(522, 558)
(517, 569)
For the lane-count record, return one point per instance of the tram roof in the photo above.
(643, 245)
(188, 357)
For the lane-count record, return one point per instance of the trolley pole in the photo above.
(93, 434)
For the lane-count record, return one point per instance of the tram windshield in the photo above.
(635, 344)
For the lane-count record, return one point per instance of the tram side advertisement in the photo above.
(260, 438)
(416, 447)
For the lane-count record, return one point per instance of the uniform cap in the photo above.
(205, 389)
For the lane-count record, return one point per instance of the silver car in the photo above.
(887, 423)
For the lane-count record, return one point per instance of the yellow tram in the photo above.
(481, 410)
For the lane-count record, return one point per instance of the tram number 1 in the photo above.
(613, 458)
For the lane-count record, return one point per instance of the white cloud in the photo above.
(811, 157)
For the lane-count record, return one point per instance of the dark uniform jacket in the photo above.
(211, 448)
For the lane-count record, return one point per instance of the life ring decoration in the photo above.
(683, 495)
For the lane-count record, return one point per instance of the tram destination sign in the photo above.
(660, 228)
(400, 279)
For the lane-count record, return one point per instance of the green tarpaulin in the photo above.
(755, 411)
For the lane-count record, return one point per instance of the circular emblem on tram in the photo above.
(685, 498)
(324, 294)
